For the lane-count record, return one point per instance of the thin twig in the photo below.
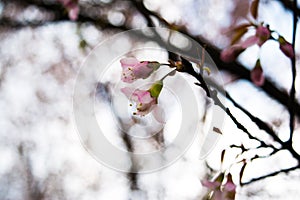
(270, 175)
(259, 123)
(213, 95)
(293, 61)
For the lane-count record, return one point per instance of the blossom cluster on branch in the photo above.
(263, 33)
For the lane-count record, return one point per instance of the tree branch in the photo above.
(270, 175)
(288, 4)
(234, 68)
(293, 62)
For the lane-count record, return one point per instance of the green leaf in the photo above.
(82, 44)
(156, 88)
(238, 34)
(220, 177)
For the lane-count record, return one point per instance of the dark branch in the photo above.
(234, 68)
(270, 175)
(293, 61)
(288, 4)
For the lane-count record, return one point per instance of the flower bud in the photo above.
(257, 75)
(286, 47)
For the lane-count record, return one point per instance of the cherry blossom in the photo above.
(72, 8)
(134, 69)
(257, 75)
(262, 34)
(231, 53)
(229, 189)
(219, 191)
(286, 47)
(215, 192)
(145, 100)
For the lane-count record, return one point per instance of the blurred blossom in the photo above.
(72, 8)
(229, 189)
(231, 53)
(214, 187)
(261, 36)
(286, 47)
(257, 75)
(219, 191)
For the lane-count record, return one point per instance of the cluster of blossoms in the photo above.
(219, 191)
(262, 35)
(133, 69)
(72, 7)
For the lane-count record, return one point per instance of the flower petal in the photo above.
(250, 41)
(257, 76)
(231, 53)
(263, 33)
(143, 96)
(73, 12)
(141, 70)
(127, 91)
(287, 49)
(129, 62)
(210, 185)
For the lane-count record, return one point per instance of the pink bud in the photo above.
(250, 41)
(229, 189)
(72, 8)
(263, 33)
(257, 75)
(286, 47)
(231, 53)
(73, 13)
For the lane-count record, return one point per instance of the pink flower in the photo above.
(219, 191)
(229, 189)
(261, 36)
(73, 12)
(215, 187)
(134, 69)
(72, 8)
(257, 75)
(231, 53)
(286, 47)
(143, 99)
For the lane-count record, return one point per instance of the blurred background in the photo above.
(42, 46)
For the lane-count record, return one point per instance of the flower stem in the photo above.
(171, 73)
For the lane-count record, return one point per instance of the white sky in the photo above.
(38, 73)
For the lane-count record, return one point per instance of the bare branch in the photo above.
(270, 175)
(293, 61)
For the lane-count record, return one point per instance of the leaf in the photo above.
(215, 129)
(242, 171)
(207, 70)
(155, 89)
(254, 8)
(238, 34)
(241, 26)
